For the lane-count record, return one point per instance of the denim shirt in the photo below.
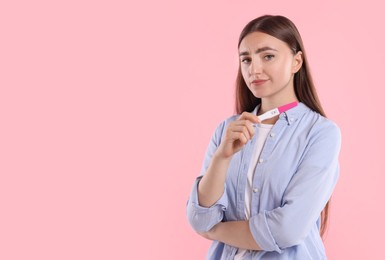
(294, 178)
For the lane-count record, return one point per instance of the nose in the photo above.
(255, 67)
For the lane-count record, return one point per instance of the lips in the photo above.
(258, 81)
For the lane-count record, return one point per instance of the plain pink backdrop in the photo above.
(107, 107)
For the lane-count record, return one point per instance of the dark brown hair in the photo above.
(283, 29)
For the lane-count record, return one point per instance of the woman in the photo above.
(264, 185)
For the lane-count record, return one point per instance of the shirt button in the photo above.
(272, 134)
(261, 160)
(255, 190)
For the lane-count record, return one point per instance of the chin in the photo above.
(258, 95)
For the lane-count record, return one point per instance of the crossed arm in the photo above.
(319, 168)
(234, 233)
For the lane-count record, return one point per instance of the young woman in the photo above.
(264, 186)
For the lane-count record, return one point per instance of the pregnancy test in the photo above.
(276, 111)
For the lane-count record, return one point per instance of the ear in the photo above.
(297, 62)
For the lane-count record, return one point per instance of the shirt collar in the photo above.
(290, 115)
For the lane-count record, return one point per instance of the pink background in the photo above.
(106, 109)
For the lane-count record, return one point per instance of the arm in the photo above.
(238, 133)
(234, 233)
(208, 198)
(211, 186)
(305, 197)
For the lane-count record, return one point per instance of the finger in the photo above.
(250, 125)
(250, 116)
(246, 128)
(239, 136)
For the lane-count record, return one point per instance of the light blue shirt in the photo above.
(294, 178)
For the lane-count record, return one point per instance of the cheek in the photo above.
(283, 70)
(244, 74)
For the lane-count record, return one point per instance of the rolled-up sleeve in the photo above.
(202, 219)
(305, 197)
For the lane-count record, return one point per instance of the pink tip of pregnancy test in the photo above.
(286, 107)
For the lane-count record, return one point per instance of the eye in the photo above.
(269, 57)
(246, 60)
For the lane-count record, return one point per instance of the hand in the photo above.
(238, 133)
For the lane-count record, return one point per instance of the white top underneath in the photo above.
(263, 132)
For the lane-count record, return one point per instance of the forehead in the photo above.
(256, 40)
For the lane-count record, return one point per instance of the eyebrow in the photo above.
(258, 51)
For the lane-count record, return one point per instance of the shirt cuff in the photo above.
(202, 219)
(261, 232)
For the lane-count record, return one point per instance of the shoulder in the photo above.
(223, 125)
(322, 127)
(221, 128)
(230, 119)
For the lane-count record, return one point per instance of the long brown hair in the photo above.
(283, 29)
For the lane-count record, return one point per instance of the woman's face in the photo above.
(268, 66)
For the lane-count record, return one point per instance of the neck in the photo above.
(271, 103)
(267, 105)
(283, 97)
